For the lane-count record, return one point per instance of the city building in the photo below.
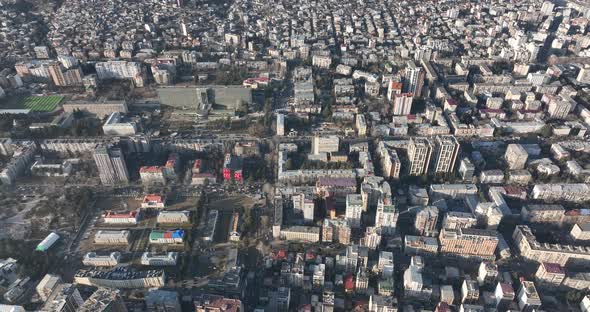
(121, 278)
(165, 259)
(111, 165)
(131, 217)
(174, 217)
(64, 298)
(504, 295)
(328, 144)
(301, 233)
(516, 156)
(167, 237)
(528, 298)
(354, 209)
(530, 248)
(469, 291)
(487, 273)
(581, 232)
(469, 243)
(153, 201)
(419, 153)
(455, 220)
(105, 237)
(207, 303)
(426, 221)
(402, 104)
(444, 154)
(414, 79)
(93, 259)
(104, 300)
(47, 285)
(157, 300)
(304, 205)
(100, 108)
(550, 274)
(114, 125)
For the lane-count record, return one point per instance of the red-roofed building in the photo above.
(514, 191)
(393, 89)
(349, 283)
(442, 307)
(215, 303)
(232, 168)
(153, 201)
(171, 167)
(255, 83)
(450, 104)
(131, 217)
(279, 255)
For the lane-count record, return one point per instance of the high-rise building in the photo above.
(547, 8)
(402, 103)
(419, 152)
(64, 77)
(304, 205)
(111, 165)
(283, 299)
(516, 156)
(393, 88)
(426, 220)
(121, 70)
(414, 79)
(354, 209)
(446, 148)
(386, 215)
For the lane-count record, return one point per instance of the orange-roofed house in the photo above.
(153, 201)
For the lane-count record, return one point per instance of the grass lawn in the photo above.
(40, 103)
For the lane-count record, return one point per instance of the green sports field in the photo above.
(40, 103)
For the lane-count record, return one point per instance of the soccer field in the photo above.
(41, 103)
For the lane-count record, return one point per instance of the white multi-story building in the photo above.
(112, 237)
(574, 192)
(446, 149)
(300, 233)
(386, 216)
(176, 217)
(354, 209)
(455, 220)
(304, 205)
(132, 217)
(115, 126)
(385, 264)
(419, 152)
(93, 259)
(166, 259)
(328, 144)
(121, 70)
(402, 104)
(47, 285)
(516, 156)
